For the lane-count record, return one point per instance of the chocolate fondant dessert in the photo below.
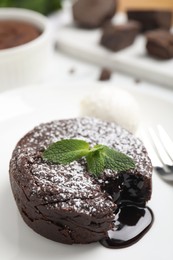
(160, 44)
(15, 33)
(66, 203)
(118, 37)
(93, 13)
(151, 19)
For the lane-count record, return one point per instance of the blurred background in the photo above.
(123, 4)
(42, 6)
(48, 6)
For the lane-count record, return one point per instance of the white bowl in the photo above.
(27, 63)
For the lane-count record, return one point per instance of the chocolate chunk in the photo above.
(93, 13)
(151, 19)
(118, 37)
(66, 203)
(105, 74)
(160, 44)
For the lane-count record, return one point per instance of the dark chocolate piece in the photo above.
(105, 74)
(151, 19)
(65, 203)
(160, 44)
(118, 37)
(93, 13)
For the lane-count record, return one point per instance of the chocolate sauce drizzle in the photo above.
(131, 224)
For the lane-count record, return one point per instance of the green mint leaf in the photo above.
(117, 161)
(95, 162)
(66, 151)
(98, 158)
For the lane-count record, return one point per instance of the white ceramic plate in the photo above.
(20, 111)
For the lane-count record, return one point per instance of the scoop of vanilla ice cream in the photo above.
(113, 105)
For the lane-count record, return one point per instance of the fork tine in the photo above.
(166, 141)
(156, 162)
(160, 149)
(165, 175)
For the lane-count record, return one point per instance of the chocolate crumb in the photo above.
(105, 74)
(72, 71)
(137, 81)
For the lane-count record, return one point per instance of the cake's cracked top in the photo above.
(71, 187)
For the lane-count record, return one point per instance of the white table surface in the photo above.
(65, 68)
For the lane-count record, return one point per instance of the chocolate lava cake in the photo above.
(93, 13)
(66, 203)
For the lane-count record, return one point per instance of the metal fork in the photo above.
(160, 148)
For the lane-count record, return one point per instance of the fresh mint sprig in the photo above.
(98, 158)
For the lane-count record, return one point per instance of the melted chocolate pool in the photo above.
(132, 223)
